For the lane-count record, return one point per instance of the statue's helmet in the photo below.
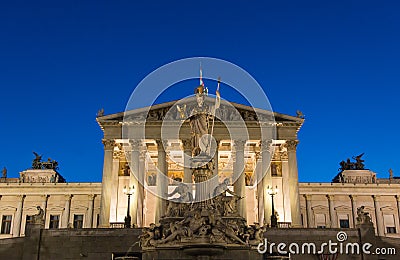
(200, 90)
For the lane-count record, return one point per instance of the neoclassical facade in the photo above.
(258, 164)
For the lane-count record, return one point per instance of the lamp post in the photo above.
(273, 192)
(128, 191)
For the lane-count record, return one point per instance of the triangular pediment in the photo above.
(159, 112)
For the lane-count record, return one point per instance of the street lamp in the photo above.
(273, 192)
(128, 191)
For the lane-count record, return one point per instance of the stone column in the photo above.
(332, 215)
(44, 204)
(187, 153)
(67, 208)
(398, 205)
(310, 222)
(114, 186)
(133, 178)
(106, 189)
(378, 215)
(140, 190)
(267, 179)
(294, 183)
(238, 172)
(353, 209)
(18, 216)
(260, 188)
(162, 184)
(89, 219)
(215, 178)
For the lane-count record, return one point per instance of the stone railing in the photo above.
(284, 224)
(117, 225)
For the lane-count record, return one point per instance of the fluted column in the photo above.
(267, 179)
(67, 208)
(260, 188)
(379, 220)
(44, 204)
(332, 215)
(294, 183)
(238, 172)
(187, 153)
(310, 222)
(140, 190)
(106, 188)
(215, 178)
(18, 216)
(114, 186)
(162, 184)
(398, 205)
(133, 178)
(353, 209)
(89, 218)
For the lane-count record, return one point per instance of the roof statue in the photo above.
(348, 165)
(4, 172)
(37, 163)
(390, 173)
(300, 114)
(100, 112)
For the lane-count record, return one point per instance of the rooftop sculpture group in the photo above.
(37, 163)
(348, 165)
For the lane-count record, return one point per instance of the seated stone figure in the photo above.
(363, 217)
(39, 217)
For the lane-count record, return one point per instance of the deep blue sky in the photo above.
(337, 61)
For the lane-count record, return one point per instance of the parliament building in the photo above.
(250, 167)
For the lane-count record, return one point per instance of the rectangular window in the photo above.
(6, 224)
(390, 230)
(320, 220)
(78, 221)
(29, 219)
(344, 223)
(54, 221)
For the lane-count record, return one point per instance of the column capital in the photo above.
(117, 154)
(239, 144)
(376, 197)
(291, 145)
(135, 144)
(92, 196)
(68, 196)
(162, 144)
(142, 155)
(330, 197)
(265, 145)
(21, 197)
(352, 197)
(109, 144)
(307, 197)
(258, 156)
(397, 198)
